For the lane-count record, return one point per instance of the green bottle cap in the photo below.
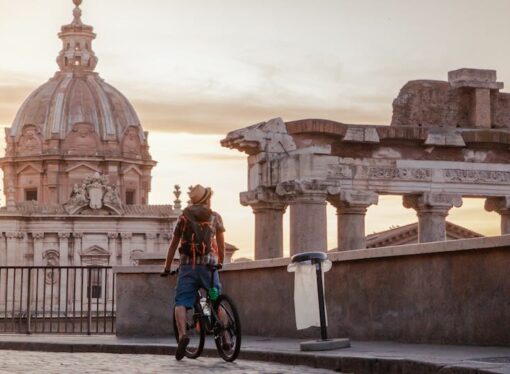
(213, 293)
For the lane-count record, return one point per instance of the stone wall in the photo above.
(449, 292)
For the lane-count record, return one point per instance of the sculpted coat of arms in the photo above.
(95, 193)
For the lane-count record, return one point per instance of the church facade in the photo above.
(77, 170)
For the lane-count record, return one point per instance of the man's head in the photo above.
(200, 195)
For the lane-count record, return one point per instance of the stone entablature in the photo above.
(431, 162)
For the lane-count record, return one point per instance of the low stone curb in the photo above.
(357, 365)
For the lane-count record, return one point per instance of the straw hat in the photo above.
(199, 194)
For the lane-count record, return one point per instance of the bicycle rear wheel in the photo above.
(228, 337)
(195, 332)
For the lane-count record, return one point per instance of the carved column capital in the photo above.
(64, 235)
(126, 235)
(500, 205)
(311, 191)
(428, 202)
(262, 199)
(351, 201)
(151, 236)
(38, 235)
(113, 235)
(78, 234)
(15, 235)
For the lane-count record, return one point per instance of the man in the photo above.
(199, 237)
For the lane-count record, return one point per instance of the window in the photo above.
(31, 195)
(130, 197)
(94, 288)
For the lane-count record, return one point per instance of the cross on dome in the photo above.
(77, 54)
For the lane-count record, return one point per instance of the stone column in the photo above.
(38, 248)
(500, 205)
(351, 207)
(432, 210)
(308, 220)
(126, 248)
(268, 209)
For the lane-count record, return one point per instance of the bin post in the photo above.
(320, 292)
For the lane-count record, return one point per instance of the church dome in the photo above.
(71, 98)
(77, 95)
(74, 126)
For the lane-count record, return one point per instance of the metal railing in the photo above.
(59, 300)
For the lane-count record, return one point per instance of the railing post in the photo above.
(29, 292)
(89, 302)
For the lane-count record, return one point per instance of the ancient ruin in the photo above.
(447, 140)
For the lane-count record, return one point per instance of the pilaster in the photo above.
(150, 242)
(126, 248)
(63, 238)
(38, 238)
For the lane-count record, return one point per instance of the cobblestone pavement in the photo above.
(46, 362)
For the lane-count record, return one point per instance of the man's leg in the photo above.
(180, 316)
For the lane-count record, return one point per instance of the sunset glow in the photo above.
(196, 69)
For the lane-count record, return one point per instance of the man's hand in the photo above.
(165, 273)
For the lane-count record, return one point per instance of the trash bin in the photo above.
(309, 302)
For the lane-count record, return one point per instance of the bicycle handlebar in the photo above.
(165, 273)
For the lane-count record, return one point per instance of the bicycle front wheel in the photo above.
(228, 337)
(195, 332)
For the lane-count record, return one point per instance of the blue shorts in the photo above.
(190, 280)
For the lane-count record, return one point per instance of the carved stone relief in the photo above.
(82, 140)
(95, 193)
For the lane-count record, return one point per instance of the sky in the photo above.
(196, 69)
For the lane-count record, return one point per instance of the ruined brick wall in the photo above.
(430, 102)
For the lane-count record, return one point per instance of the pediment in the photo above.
(85, 165)
(30, 166)
(95, 251)
(132, 167)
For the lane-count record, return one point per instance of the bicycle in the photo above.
(204, 318)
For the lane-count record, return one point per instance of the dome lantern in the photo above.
(77, 53)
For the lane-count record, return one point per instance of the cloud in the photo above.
(11, 98)
(220, 117)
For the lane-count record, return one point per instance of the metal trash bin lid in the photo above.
(308, 256)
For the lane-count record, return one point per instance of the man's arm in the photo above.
(220, 240)
(171, 251)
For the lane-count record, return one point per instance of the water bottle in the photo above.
(205, 307)
(214, 293)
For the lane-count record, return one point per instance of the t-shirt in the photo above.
(184, 230)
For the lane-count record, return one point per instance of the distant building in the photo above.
(77, 170)
(408, 234)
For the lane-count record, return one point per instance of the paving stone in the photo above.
(50, 362)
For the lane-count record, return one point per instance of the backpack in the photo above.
(202, 235)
